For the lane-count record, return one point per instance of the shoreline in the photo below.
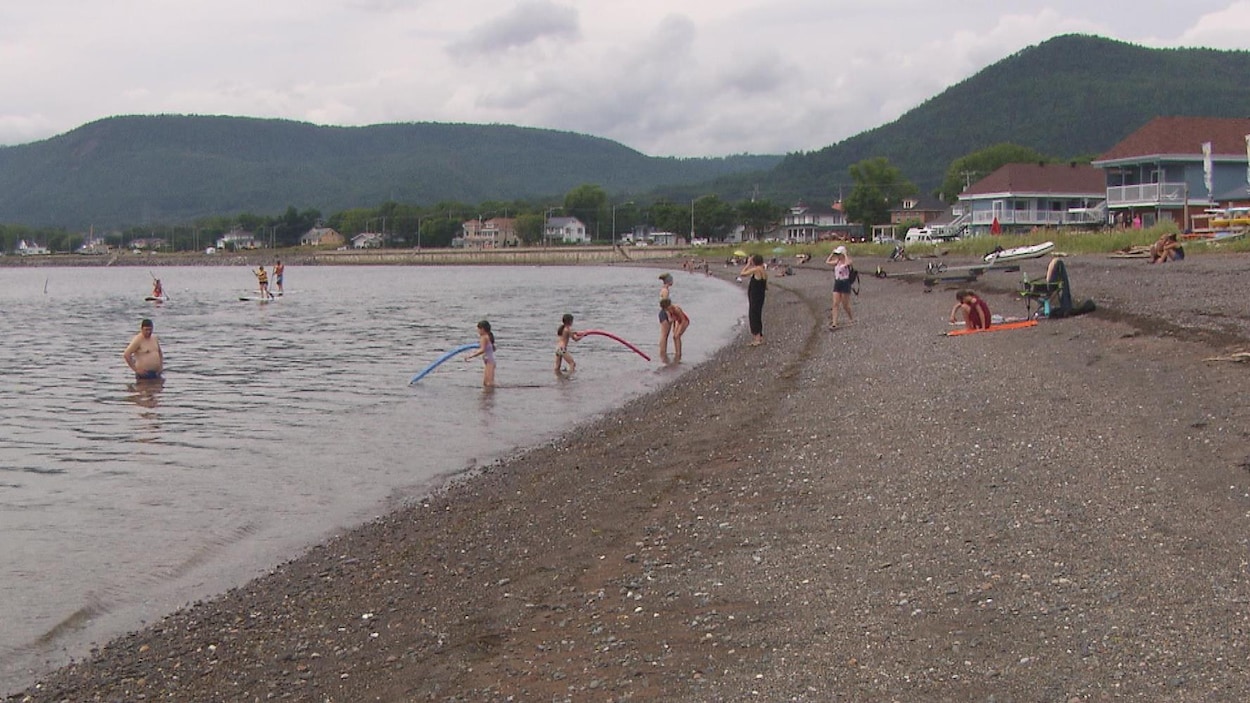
(571, 255)
(876, 513)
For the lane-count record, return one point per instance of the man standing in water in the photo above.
(278, 270)
(143, 355)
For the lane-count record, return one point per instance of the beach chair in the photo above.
(1050, 295)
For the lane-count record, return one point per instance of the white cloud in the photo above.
(692, 77)
(1228, 28)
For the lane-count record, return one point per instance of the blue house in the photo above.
(1021, 197)
(1175, 167)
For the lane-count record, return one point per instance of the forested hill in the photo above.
(131, 170)
(1071, 96)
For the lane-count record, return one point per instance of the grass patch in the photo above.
(1066, 241)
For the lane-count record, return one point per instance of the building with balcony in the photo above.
(494, 233)
(1022, 197)
(805, 223)
(1175, 167)
(568, 230)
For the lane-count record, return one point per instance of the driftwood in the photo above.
(1236, 357)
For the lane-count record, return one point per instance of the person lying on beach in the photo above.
(975, 313)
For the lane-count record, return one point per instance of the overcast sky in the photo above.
(666, 77)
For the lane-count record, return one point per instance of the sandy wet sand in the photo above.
(878, 513)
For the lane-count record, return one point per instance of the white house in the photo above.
(237, 239)
(26, 249)
(812, 223)
(367, 240)
(568, 230)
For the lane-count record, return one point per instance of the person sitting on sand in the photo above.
(976, 314)
(1166, 249)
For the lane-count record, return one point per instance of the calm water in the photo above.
(277, 424)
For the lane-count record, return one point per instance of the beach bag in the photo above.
(854, 279)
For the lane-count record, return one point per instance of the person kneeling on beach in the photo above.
(976, 313)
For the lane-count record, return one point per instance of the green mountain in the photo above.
(1070, 97)
(154, 169)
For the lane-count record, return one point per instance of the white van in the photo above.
(926, 235)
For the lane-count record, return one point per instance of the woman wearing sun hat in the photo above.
(841, 263)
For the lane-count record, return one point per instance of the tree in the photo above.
(970, 168)
(587, 203)
(877, 186)
(670, 217)
(759, 216)
(529, 228)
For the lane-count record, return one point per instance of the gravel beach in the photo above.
(876, 513)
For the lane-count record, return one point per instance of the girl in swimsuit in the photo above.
(486, 350)
(679, 321)
(564, 335)
(666, 326)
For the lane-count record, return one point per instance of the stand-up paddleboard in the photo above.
(441, 359)
(157, 298)
(609, 335)
(1001, 327)
(256, 299)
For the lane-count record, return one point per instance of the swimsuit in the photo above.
(489, 356)
(147, 375)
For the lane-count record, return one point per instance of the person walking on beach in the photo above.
(486, 350)
(841, 263)
(144, 355)
(666, 281)
(975, 312)
(564, 335)
(757, 285)
(262, 279)
(679, 321)
(278, 270)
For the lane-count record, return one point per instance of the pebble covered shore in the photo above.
(876, 513)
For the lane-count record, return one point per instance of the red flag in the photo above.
(996, 228)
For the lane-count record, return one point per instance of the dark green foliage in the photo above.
(132, 170)
(1072, 95)
(969, 169)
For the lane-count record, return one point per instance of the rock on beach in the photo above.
(877, 513)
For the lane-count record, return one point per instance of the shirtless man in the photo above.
(143, 355)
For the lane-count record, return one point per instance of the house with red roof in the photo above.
(1175, 167)
(1022, 197)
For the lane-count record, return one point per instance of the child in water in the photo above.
(486, 350)
(679, 321)
(564, 335)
